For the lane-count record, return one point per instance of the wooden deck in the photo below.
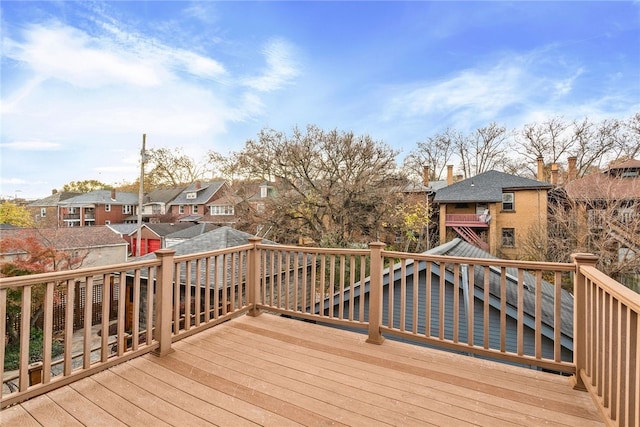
(274, 371)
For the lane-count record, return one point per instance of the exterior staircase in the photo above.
(471, 237)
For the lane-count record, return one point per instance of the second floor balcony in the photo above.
(217, 338)
(467, 220)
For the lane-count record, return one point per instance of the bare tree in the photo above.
(435, 152)
(330, 186)
(171, 168)
(483, 150)
(550, 140)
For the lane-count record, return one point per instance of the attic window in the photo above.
(192, 195)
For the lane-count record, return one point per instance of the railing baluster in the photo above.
(442, 301)
(198, 290)
(557, 317)
(456, 303)
(3, 334)
(88, 309)
(104, 330)
(503, 309)
(25, 333)
(485, 308)
(520, 320)
(47, 329)
(68, 326)
(416, 297)
(538, 315)
(135, 322)
(403, 294)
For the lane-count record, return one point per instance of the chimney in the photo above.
(554, 174)
(54, 191)
(573, 173)
(425, 176)
(449, 174)
(541, 169)
(113, 194)
(198, 185)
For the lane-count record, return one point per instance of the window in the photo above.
(127, 209)
(194, 209)
(181, 209)
(192, 195)
(508, 200)
(221, 210)
(107, 222)
(43, 212)
(508, 237)
(71, 210)
(107, 207)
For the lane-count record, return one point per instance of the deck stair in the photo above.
(471, 237)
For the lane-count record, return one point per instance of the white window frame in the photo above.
(180, 209)
(107, 207)
(43, 212)
(509, 241)
(194, 209)
(508, 199)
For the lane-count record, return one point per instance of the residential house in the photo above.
(45, 211)
(394, 294)
(180, 236)
(493, 210)
(155, 206)
(97, 246)
(100, 207)
(609, 204)
(125, 230)
(211, 202)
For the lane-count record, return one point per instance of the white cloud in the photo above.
(32, 145)
(281, 67)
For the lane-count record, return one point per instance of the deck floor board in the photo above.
(274, 371)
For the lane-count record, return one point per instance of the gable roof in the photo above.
(486, 187)
(204, 191)
(101, 197)
(162, 195)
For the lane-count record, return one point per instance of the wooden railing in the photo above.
(513, 311)
(607, 343)
(476, 219)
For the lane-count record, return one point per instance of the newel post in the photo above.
(580, 317)
(164, 301)
(253, 277)
(375, 294)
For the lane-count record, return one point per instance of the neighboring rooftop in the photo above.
(486, 187)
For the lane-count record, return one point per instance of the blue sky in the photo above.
(82, 81)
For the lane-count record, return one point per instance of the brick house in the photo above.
(45, 211)
(493, 211)
(212, 202)
(100, 207)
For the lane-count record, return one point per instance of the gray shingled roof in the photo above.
(486, 187)
(101, 197)
(53, 199)
(203, 194)
(192, 231)
(164, 229)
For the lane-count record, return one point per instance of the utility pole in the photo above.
(143, 159)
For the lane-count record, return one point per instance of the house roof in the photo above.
(53, 199)
(66, 238)
(459, 248)
(162, 195)
(192, 231)
(486, 187)
(204, 191)
(123, 229)
(164, 229)
(101, 197)
(608, 185)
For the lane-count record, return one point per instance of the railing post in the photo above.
(253, 277)
(375, 294)
(164, 301)
(579, 317)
